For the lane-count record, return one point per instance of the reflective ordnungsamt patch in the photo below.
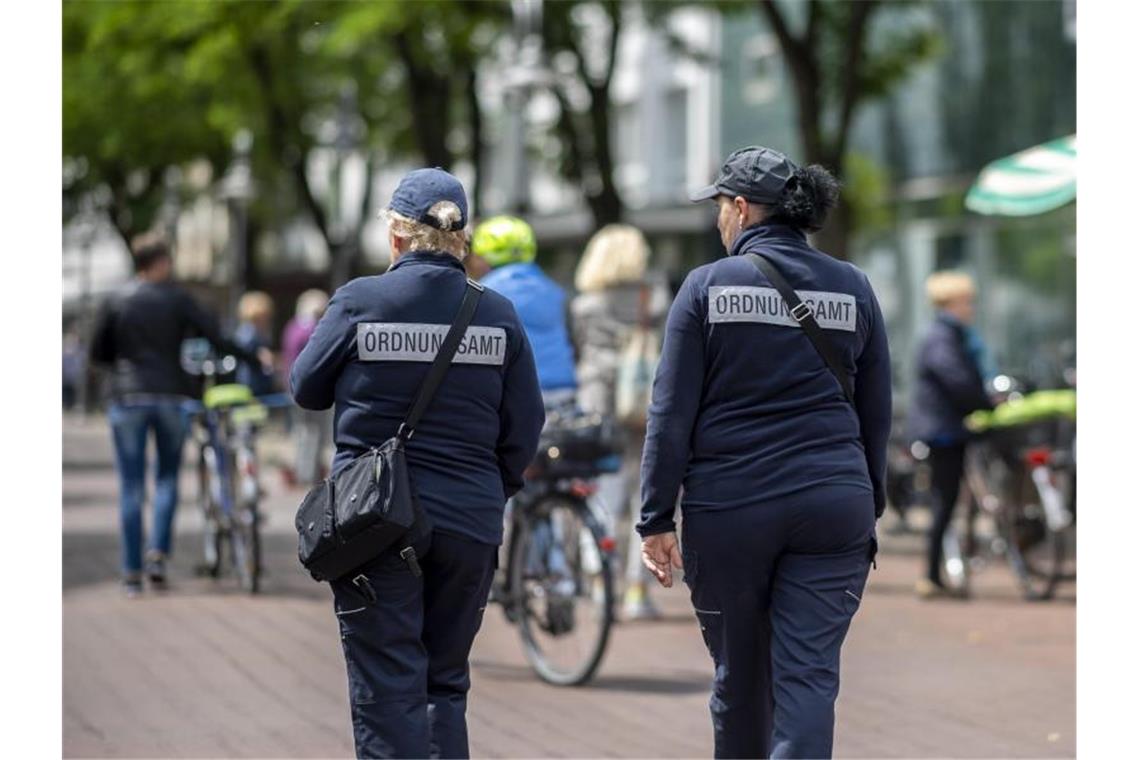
(419, 342)
(747, 303)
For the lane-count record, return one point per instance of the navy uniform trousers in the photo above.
(774, 587)
(406, 641)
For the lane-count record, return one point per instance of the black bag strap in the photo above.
(801, 312)
(442, 361)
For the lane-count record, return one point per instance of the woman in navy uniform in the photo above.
(407, 626)
(782, 475)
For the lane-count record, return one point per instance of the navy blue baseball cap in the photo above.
(421, 189)
(757, 174)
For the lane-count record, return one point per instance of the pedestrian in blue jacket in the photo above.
(406, 644)
(782, 476)
(507, 245)
(949, 384)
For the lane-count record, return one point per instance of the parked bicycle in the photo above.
(1020, 481)
(227, 422)
(557, 584)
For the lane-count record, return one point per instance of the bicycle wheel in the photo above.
(211, 526)
(1036, 552)
(562, 588)
(245, 533)
(245, 543)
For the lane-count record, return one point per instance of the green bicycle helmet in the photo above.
(504, 240)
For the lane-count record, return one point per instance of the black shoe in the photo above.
(156, 569)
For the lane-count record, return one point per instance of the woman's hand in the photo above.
(661, 553)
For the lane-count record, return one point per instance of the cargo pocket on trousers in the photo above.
(852, 600)
(712, 624)
(710, 620)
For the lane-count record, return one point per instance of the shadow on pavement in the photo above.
(685, 684)
(93, 558)
(649, 685)
(88, 465)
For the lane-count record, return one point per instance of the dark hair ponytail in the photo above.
(807, 198)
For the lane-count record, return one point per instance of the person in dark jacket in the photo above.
(783, 477)
(949, 384)
(406, 642)
(253, 333)
(139, 335)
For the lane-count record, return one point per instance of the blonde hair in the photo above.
(254, 305)
(617, 253)
(424, 237)
(312, 303)
(947, 286)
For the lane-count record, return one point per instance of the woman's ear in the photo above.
(741, 205)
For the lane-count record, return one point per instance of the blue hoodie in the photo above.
(540, 304)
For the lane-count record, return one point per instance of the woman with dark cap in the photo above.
(771, 408)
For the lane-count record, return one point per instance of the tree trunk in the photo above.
(834, 238)
(344, 258)
(607, 205)
(430, 96)
(475, 124)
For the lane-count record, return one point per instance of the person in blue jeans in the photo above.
(138, 336)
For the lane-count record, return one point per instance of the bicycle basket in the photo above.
(577, 445)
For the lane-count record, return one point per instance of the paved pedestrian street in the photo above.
(206, 671)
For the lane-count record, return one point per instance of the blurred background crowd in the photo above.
(261, 138)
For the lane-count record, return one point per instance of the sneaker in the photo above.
(156, 569)
(132, 586)
(928, 589)
(638, 605)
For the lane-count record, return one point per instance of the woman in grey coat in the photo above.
(617, 296)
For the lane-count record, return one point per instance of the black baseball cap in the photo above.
(755, 173)
(421, 189)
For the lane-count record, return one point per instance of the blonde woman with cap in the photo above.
(617, 295)
(408, 618)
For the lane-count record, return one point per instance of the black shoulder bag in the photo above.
(801, 312)
(370, 504)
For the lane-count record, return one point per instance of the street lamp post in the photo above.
(86, 315)
(237, 189)
(525, 74)
(342, 224)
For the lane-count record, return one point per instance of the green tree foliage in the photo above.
(125, 117)
(839, 59)
(154, 84)
(589, 51)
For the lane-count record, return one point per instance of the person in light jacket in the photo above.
(616, 296)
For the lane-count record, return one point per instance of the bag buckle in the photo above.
(408, 554)
(801, 311)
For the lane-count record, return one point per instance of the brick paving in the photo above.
(205, 671)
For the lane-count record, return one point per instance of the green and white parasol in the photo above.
(1033, 181)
